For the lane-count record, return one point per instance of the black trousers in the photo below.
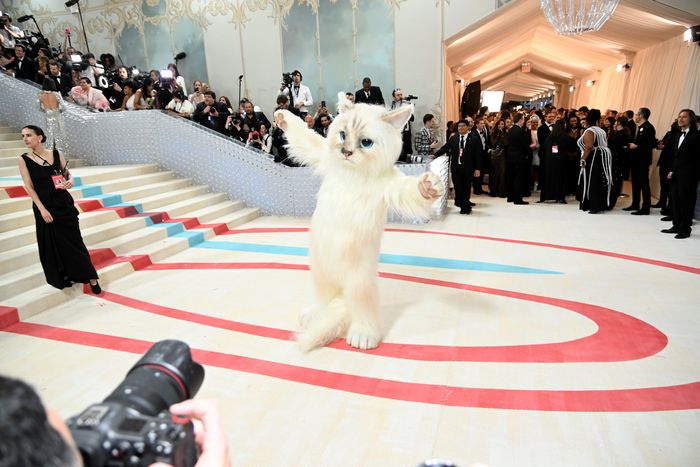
(684, 195)
(640, 184)
(462, 181)
(665, 186)
(516, 178)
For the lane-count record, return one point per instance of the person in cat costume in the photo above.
(360, 182)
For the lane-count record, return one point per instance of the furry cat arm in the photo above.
(412, 196)
(305, 145)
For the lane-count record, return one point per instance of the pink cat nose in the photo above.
(347, 153)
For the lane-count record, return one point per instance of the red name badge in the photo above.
(555, 149)
(58, 181)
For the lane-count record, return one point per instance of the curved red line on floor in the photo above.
(677, 397)
(638, 259)
(619, 337)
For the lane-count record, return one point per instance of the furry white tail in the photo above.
(325, 325)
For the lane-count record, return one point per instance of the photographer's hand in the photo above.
(209, 433)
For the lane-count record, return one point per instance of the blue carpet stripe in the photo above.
(385, 258)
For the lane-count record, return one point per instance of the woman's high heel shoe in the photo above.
(96, 289)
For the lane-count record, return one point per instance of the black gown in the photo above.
(62, 251)
(596, 176)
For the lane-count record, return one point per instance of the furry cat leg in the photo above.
(362, 299)
(327, 319)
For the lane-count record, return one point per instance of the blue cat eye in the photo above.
(366, 143)
(342, 135)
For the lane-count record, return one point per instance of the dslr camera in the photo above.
(287, 79)
(132, 426)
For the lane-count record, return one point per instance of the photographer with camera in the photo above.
(115, 92)
(148, 420)
(9, 34)
(89, 68)
(211, 114)
(254, 140)
(22, 67)
(299, 94)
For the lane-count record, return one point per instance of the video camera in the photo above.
(287, 79)
(410, 97)
(132, 426)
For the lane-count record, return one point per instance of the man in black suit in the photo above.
(23, 66)
(254, 119)
(640, 154)
(516, 160)
(325, 122)
(685, 174)
(210, 113)
(464, 151)
(369, 94)
(481, 132)
(63, 83)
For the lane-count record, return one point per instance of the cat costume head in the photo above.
(365, 138)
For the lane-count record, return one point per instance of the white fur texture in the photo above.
(360, 182)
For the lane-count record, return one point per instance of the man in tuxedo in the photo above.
(369, 94)
(544, 130)
(464, 151)
(685, 174)
(480, 131)
(516, 160)
(640, 155)
(210, 113)
(22, 66)
(63, 83)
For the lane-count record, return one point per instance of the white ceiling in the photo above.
(493, 49)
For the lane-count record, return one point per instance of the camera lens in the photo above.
(165, 375)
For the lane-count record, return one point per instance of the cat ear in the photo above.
(399, 117)
(344, 103)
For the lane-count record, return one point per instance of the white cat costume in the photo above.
(360, 182)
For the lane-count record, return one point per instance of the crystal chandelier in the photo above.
(571, 17)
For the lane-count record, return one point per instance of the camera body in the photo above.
(112, 434)
(287, 79)
(132, 426)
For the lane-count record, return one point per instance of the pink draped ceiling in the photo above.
(493, 49)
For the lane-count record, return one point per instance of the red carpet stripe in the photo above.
(620, 337)
(678, 397)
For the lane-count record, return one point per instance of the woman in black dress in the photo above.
(617, 143)
(62, 252)
(595, 179)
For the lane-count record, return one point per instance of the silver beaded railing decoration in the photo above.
(188, 149)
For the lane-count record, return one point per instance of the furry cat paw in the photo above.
(430, 186)
(363, 336)
(285, 119)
